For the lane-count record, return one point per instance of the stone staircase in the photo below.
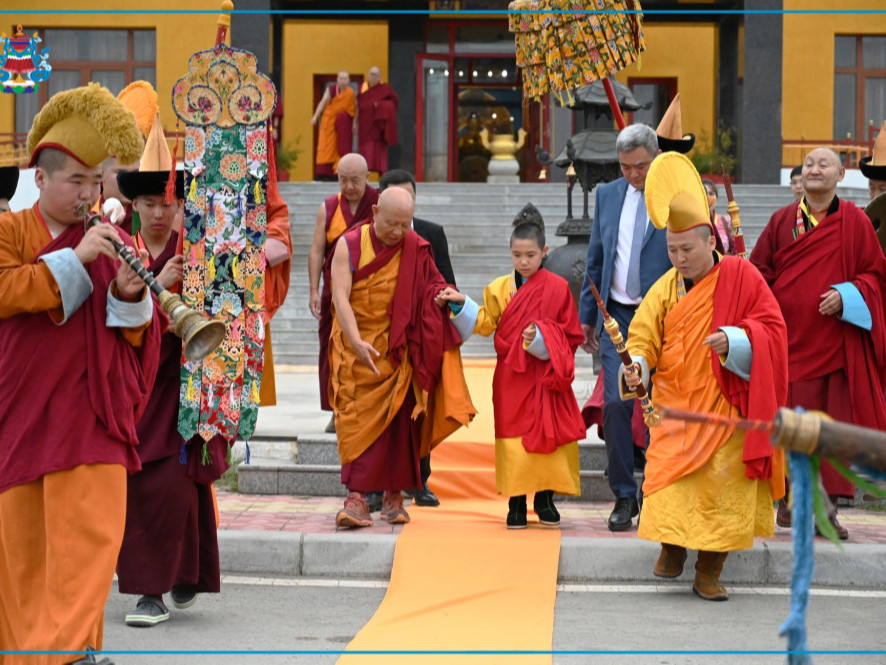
(477, 219)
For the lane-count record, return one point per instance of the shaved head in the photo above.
(392, 216)
(353, 177)
(822, 171)
(374, 76)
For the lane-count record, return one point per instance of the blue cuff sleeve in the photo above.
(855, 309)
(73, 281)
(466, 319)
(738, 360)
(129, 314)
(537, 346)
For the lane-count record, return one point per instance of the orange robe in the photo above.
(329, 145)
(276, 287)
(419, 366)
(707, 488)
(67, 447)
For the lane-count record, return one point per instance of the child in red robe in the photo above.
(537, 420)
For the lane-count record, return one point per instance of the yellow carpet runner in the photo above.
(462, 583)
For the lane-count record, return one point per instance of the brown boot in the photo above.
(392, 510)
(355, 512)
(783, 514)
(707, 576)
(670, 561)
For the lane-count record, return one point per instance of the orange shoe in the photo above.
(392, 510)
(355, 512)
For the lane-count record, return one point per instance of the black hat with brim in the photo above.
(145, 183)
(683, 145)
(872, 171)
(8, 181)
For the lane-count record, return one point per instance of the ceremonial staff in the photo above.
(611, 326)
(733, 214)
(200, 335)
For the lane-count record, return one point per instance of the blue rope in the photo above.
(247, 451)
(804, 558)
(183, 455)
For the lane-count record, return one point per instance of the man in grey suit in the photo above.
(626, 256)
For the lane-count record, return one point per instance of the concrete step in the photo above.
(288, 478)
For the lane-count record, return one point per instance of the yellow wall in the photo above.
(323, 47)
(689, 54)
(808, 63)
(178, 36)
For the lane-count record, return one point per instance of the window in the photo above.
(114, 58)
(859, 85)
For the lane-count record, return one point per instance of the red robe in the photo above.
(363, 212)
(170, 535)
(77, 389)
(532, 398)
(823, 351)
(377, 124)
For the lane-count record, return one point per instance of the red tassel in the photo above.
(169, 195)
(272, 165)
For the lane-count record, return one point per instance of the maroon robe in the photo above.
(533, 398)
(363, 212)
(417, 324)
(377, 124)
(72, 393)
(171, 535)
(833, 365)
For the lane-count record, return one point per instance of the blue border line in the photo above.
(447, 12)
(464, 652)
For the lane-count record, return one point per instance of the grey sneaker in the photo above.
(183, 596)
(149, 611)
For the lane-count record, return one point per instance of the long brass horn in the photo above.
(200, 335)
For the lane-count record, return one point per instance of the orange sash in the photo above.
(327, 146)
(683, 379)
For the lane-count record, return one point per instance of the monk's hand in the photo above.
(129, 284)
(831, 303)
(632, 376)
(315, 303)
(718, 342)
(98, 240)
(365, 352)
(172, 272)
(449, 294)
(529, 333)
(590, 345)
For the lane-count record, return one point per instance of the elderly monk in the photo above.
(336, 112)
(376, 120)
(397, 386)
(715, 334)
(337, 214)
(821, 257)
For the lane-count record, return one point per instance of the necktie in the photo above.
(633, 284)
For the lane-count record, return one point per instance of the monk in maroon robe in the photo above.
(338, 213)
(376, 121)
(822, 261)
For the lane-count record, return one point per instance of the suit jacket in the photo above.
(435, 235)
(654, 261)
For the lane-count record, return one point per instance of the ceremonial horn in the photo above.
(200, 335)
(876, 211)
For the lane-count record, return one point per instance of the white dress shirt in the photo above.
(618, 287)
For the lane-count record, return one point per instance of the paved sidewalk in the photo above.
(274, 536)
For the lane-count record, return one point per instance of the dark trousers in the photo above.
(425, 468)
(616, 413)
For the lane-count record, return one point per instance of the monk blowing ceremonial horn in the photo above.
(200, 335)
(611, 326)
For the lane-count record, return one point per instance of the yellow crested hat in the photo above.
(874, 165)
(141, 98)
(89, 124)
(670, 130)
(675, 195)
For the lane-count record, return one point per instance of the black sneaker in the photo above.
(149, 611)
(517, 512)
(183, 596)
(543, 503)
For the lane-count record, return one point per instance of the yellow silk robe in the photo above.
(695, 493)
(516, 470)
